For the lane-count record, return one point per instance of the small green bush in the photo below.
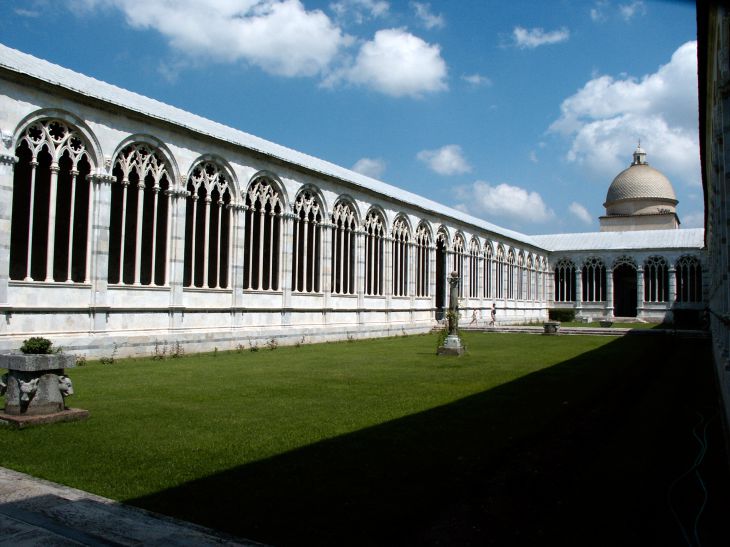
(37, 345)
(562, 315)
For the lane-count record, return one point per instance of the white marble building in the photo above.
(127, 222)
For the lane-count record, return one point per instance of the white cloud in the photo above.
(426, 17)
(598, 11)
(360, 11)
(371, 167)
(476, 80)
(447, 160)
(504, 201)
(530, 39)
(695, 219)
(580, 212)
(628, 11)
(27, 12)
(533, 157)
(607, 116)
(397, 63)
(279, 36)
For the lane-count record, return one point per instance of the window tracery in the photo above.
(307, 243)
(374, 253)
(423, 260)
(262, 237)
(458, 262)
(474, 253)
(401, 235)
(51, 211)
(488, 266)
(689, 279)
(344, 228)
(656, 279)
(594, 280)
(207, 227)
(511, 274)
(501, 267)
(565, 281)
(138, 229)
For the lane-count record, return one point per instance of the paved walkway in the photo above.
(34, 512)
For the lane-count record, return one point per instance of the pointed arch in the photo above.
(345, 220)
(593, 273)
(401, 260)
(374, 228)
(308, 212)
(52, 201)
(423, 258)
(656, 279)
(140, 206)
(501, 267)
(565, 280)
(488, 269)
(458, 249)
(208, 224)
(475, 251)
(262, 235)
(689, 279)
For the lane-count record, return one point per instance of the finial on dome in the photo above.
(639, 156)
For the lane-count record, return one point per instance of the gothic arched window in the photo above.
(344, 228)
(207, 227)
(689, 279)
(458, 265)
(501, 267)
(594, 280)
(529, 271)
(138, 223)
(307, 243)
(401, 257)
(565, 281)
(49, 235)
(423, 261)
(262, 237)
(488, 265)
(656, 280)
(374, 255)
(511, 274)
(474, 253)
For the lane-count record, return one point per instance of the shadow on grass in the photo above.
(583, 452)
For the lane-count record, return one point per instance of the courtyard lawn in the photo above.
(524, 438)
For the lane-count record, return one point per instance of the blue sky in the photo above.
(517, 112)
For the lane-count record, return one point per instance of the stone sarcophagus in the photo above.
(36, 384)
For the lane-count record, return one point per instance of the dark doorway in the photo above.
(624, 291)
(440, 278)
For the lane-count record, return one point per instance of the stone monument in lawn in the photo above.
(452, 344)
(36, 386)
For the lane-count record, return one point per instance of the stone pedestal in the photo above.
(452, 346)
(36, 385)
(551, 327)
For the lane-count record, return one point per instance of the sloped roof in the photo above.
(23, 63)
(610, 241)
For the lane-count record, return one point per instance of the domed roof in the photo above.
(640, 181)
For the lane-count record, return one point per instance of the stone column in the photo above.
(325, 269)
(639, 291)
(99, 257)
(285, 265)
(672, 273)
(578, 290)
(7, 171)
(175, 254)
(388, 262)
(609, 293)
(360, 271)
(432, 274)
(238, 233)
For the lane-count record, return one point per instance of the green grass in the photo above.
(596, 324)
(381, 441)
